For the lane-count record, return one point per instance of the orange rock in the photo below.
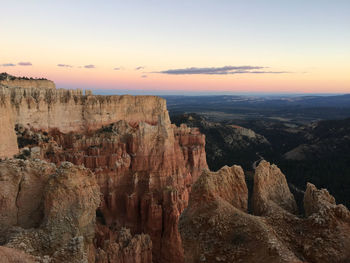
(215, 229)
(271, 191)
(8, 138)
(145, 173)
(11, 255)
(65, 230)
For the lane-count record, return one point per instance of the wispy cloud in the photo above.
(144, 76)
(64, 66)
(25, 64)
(117, 68)
(139, 68)
(8, 65)
(90, 66)
(226, 70)
(268, 72)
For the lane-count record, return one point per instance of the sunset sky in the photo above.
(183, 45)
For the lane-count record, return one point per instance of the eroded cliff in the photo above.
(144, 165)
(47, 109)
(8, 139)
(145, 173)
(217, 229)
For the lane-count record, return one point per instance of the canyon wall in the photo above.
(71, 111)
(145, 173)
(13, 82)
(144, 165)
(8, 138)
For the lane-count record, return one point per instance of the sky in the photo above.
(290, 46)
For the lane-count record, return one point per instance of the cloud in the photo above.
(8, 65)
(25, 64)
(64, 66)
(144, 76)
(226, 70)
(139, 68)
(117, 69)
(90, 66)
(268, 72)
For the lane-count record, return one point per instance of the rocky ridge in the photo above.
(218, 230)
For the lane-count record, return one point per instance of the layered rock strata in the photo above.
(217, 229)
(145, 173)
(8, 139)
(72, 111)
(9, 81)
(144, 165)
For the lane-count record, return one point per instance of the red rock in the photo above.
(145, 174)
(121, 247)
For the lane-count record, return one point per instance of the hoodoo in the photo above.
(144, 166)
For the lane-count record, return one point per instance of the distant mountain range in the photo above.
(300, 109)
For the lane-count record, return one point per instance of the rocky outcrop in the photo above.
(216, 230)
(47, 109)
(10, 81)
(21, 192)
(8, 139)
(121, 247)
(227, 184)
(50, 213)
(271, 191)
(145, 173)
(28, 83)
(321, 202)
(10, 255)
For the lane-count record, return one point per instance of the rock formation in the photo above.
(105, 179)
(21, 192)
(8, 140)
(121, 247)
(71, 111)
(226, 184)
(216, 229)
(9, 81)
(144, 165)
(50, 213)
(11, 255)
(271, 191)
(145, 173)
